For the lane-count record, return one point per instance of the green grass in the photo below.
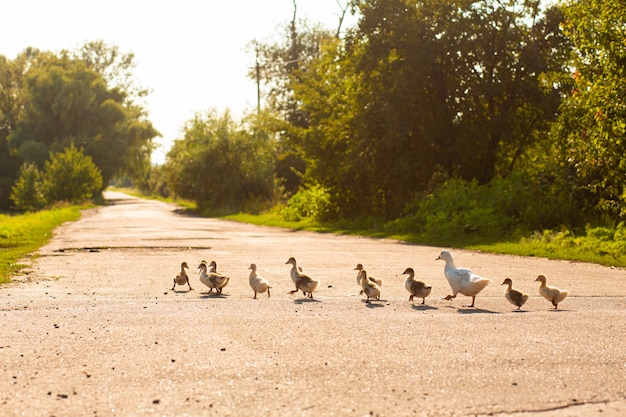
(23, 234)
(600, 246)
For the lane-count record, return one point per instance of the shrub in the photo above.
(71, 176)
(454, 209)
(312, 203)
(27, 194)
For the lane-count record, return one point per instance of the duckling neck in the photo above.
(294, 272)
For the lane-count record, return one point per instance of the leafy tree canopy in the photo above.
(592, 123)
(219, 164)
(86, 98)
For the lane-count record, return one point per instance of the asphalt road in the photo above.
(92, 328)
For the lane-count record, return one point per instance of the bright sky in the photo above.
(189, 53)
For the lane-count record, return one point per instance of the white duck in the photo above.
(370, 288)
(359, 268)
(552, 294)
(461, 280)
(257, 283)
(182, 278)
(302, 281)
(515, 297)
(415, 287)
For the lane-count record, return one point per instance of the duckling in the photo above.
(461, 280)
(370, 288)
(415, 287)
(210, 278)
(222, 279)
(205, 278)
(182, 278)
(258, 284)
(358, 268)
(517, 298)
(302, 281)
(552, 294)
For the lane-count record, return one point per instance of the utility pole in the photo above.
(258, 84)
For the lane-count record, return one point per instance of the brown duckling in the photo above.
(370, 288)
(359, 268)
(303, 282)
(415, 287)
(515, 297)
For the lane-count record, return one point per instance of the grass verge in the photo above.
(23, 234)
(601, 248)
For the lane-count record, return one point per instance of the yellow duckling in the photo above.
(182, 278)
(257, 283)
(552, 294)
(370, 288)
(303, 282)
(415, 287)
(517, 298)
(461, 280)
(359, 268)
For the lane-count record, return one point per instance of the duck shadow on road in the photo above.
(473, 310)
(306, 300)
(181, 291)
(374, 303)
(206, 295)
(423, 307)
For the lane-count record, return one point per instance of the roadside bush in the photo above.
(28, 192)
(454, 209)
(71, 176)
(312, 203)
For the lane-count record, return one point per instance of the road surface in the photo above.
(92, 328)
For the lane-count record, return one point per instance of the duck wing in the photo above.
(553, 294)
(516, 298)
(420, 289)
(472, 284)
(457, 278)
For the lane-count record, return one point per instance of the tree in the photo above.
(115, 67)
(10, 104)
(592, 125)
(278, 66)
(421, 87)
(71, 176)
(220, 165)
(65, 102)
